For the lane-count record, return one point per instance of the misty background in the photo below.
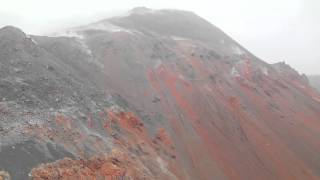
(274, 30)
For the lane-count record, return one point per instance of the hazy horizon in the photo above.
(272, 30)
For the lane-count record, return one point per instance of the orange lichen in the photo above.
(64, 121)
(116, 166)
(163, 136)
(127, 120)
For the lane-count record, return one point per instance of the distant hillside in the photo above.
(315, 81)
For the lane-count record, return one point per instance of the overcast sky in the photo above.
(274, 30)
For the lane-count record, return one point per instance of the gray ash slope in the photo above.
(35, 85)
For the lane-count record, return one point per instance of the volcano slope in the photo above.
(156, 94)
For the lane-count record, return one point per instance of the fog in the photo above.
(285, 30)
